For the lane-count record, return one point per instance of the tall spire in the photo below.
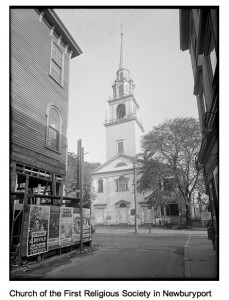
(121, 50)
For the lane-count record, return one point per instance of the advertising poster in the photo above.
(38, 229)
(66, 222)
(86, 225)
(54, 229)
(76, 227)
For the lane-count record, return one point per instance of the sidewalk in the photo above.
(201, 261)
(145, 230)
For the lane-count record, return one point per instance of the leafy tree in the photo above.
(169, 151)
(71, 178)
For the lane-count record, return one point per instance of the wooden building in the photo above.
(41, 50)
(199, 35)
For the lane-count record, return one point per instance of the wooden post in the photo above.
(38, 200)
(61, 194)
(21, 237)
(54, 188)
(13, 186)
(135, 199)
(26, 189)
(80, 182)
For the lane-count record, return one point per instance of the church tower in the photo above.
(112, 182)
(123, 128)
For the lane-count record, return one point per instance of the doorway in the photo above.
(123, 214)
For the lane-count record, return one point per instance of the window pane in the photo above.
(120, 147)
(53, 139)
(56, 72)
(54, 119)
(57, 55)
(100, 186)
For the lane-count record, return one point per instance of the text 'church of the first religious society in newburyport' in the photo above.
(114, 181)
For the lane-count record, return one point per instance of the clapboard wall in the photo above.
(33, 89)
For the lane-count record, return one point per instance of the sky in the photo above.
(160, 70)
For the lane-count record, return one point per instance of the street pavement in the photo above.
(120, 253)
(200, 260)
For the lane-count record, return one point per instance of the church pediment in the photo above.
(118, 163)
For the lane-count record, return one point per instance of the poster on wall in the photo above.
(38, 229)
(76, 227)
(54, 229)
(66, 221)
(86, 225)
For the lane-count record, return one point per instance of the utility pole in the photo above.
(80, 157)
(135, 198)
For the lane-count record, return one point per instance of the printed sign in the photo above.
(38, 229)
(66, 222)
(76, 227)
(86, 225)
(54, 229)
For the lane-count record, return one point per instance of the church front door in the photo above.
(123, 214)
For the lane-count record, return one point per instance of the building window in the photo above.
(172, 210)
(100, 186)
(120, 145)
(121, 90)
(126, 87)
(122, 184)
(53, 128)
(121, 111)
(56, 69)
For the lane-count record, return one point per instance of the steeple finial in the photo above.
(121, 50)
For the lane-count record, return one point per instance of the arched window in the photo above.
(121, 111)
(122, 205)
(100, 185)
(53, 128)
(121, 90)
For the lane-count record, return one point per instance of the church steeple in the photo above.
(123, 84)
(123, 127)
(121, 51)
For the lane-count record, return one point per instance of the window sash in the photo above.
(53, 138)
(100, 186)
(56, 70)
(120, 148)
(122, 185)
(57, 55)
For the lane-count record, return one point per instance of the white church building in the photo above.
(113, 182)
